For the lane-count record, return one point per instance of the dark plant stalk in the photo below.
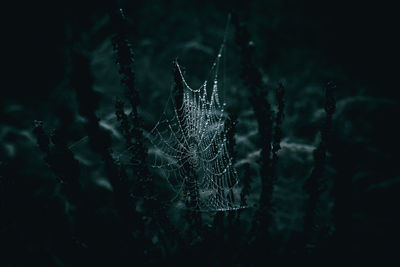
(315, 184)
(276, 140)
(230, 129)
(62, 162)
(42, 138)
(131, 124)
(276, 146)
(131, 128)
(278, 134)
(67, 170)
(244, 192)
(252, 80)
(100, 140)
(246, 185)
(125, 125)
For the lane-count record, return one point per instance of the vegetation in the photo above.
(78, 187)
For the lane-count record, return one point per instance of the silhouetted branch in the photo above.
(131, 128)
(315, 184)
(252, 80)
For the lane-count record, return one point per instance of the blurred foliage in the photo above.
(53, 214)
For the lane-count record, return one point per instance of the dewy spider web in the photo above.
(198, 141)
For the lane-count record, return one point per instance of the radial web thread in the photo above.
(198, 142)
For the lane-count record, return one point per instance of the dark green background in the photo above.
(304, 44)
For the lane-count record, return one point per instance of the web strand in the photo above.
(200, 143)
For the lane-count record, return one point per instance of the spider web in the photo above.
(190, 147)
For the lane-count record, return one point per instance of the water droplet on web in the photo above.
(196, 141)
